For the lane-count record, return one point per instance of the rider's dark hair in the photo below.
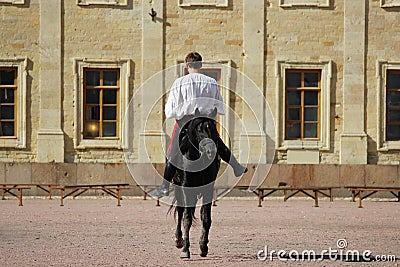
(194, 60)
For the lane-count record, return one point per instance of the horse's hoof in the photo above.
(179, 242)
(185, 255)
(203, 251)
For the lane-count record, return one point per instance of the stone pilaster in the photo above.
(151, 134)
(253, 67)
(50, 139)
(353, 141)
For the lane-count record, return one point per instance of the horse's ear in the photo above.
(197, 112)
(214, 113)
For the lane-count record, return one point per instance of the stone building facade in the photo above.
(328, 69)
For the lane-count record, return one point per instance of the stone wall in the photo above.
(20, 27)
(216, 33)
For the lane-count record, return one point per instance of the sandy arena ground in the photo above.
(95, 232)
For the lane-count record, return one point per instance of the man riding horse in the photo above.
(188, 93)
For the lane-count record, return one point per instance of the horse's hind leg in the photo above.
(187, 223)
(178, 233)
(205, 214)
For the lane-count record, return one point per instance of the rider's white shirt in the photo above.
(194, 90)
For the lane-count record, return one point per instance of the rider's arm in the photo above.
(170, 106)
(219, 104)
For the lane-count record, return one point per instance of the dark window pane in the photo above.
(394, 116)
(7, 77)
(109, 129)
(294, 114)
(6, 95)
(393, 132)
(393, 80)
(7, 112)
(92, 78)
(92, 113)
(109, 113)
(92, 129)
(293, 98)
(393, 99)
(293, 130)
(92, 96)
(310, 130)
(311, 114)
(311, 79)
(110, 96)
(7, 129)
(110, 78)
(212, 74)
(293, 79)
(311, 98)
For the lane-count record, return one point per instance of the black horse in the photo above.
(196, 180)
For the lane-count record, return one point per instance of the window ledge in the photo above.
(389, 145)
(304, 3)
(303, 144)
(11, 143)
(390, 3)
(84, 144)
(102, 2)
(215, 3)
(13, 2)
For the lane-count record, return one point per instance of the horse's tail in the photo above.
(173, 206)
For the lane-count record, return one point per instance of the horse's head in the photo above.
(203, 135)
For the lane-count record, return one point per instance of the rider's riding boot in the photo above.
(227, 156)
(169, 173)
(163, 190)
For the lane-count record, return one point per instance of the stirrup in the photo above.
(163, 190)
